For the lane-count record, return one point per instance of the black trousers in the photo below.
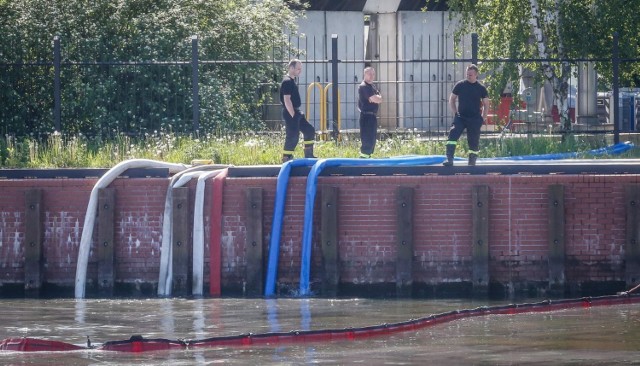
(473, 127)
(368, 132)
(293, 126)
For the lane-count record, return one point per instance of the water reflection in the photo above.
(272, 315)
(198, 319)
(305, 314)
(81, 309)
(167, 319)
(599, 335)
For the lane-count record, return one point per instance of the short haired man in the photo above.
(469, 113)
(369, 99)
(294, 119)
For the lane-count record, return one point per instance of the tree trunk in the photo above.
(559, 83)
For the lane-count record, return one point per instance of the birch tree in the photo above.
(544, 35)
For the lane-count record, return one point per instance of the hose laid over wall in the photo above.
(138, 344)
(215, 235)
(310, 196)
(198, 230)
(166, 250)
(276, 225)
(618, 148)
(165, 275)
(89, 219)
(408, 160)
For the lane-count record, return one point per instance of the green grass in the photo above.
(63, 151)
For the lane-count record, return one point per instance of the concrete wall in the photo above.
(427, 36)
(415, 94)
(315, 32)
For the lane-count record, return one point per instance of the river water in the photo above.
(606, 335)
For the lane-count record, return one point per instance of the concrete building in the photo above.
(390, 36)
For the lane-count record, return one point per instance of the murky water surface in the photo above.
(608, 335)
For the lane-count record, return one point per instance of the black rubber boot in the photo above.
(286, 157)
(451, 150)
(472, 159)
(308, 152)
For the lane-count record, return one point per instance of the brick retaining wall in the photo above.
(594, 211)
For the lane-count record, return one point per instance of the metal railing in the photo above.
(145, 96)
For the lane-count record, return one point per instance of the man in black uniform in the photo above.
(470, 113)
(368, 100)
(294, 120)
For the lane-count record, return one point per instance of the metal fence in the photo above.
(143, 96)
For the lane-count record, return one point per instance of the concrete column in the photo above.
(381, 6)
(383, 49)
(586, 105)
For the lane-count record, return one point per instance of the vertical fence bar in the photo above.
(334, 86)
(194, 84)
(474, 48)
(615, 59)
(57, 105)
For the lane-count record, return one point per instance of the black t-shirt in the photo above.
(289, 87)
(470, 97)
(366, 91)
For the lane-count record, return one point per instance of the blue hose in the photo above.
(276, 226)
(319, 165)
(618, 148)
(310, 196)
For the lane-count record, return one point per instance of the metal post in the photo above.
(254, 243)
(334, 81)
(33, 238)
(194, 84)
(480, 240)
(474, 48)
(632, 235)
(106, 234)
(56, 83)
(556, 239)
(329, 241)
(404, 244)
(616, 90)
(181, 245)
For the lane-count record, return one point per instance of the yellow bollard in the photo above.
(326, 94)
(323, 118)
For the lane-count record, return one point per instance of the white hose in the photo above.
(197, 286)
(90, 215)
(165, 249)
(165, 277)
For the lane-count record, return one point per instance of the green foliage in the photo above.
(149, 87)
(578, 29)
(595, 32)
(78, 151)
